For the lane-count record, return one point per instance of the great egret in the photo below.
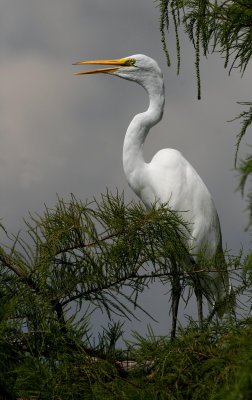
(169, 177)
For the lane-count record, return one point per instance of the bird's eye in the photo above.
(130, 62)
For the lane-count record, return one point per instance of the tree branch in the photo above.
(58, 307)
(134, 275)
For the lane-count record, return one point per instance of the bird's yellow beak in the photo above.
(122, 62)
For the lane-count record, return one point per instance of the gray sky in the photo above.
(63, 134)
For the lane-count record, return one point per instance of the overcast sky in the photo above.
(61, 133)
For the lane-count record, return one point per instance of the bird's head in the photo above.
(138, 68)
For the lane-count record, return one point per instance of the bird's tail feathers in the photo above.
(221, 296)
(225, 304)
(215, 283)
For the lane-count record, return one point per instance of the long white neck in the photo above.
(139, 127)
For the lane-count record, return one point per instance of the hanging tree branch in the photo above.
(223, 27)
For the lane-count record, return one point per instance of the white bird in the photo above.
(169, 177)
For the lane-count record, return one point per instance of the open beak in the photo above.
(123, 62)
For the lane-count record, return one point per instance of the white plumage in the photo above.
(169, 177)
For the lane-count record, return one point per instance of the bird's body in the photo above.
(169, 177)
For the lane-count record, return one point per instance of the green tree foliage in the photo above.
(74, 259)
(212, 26)
(78, 257)
(246, 171)
(199, 365)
